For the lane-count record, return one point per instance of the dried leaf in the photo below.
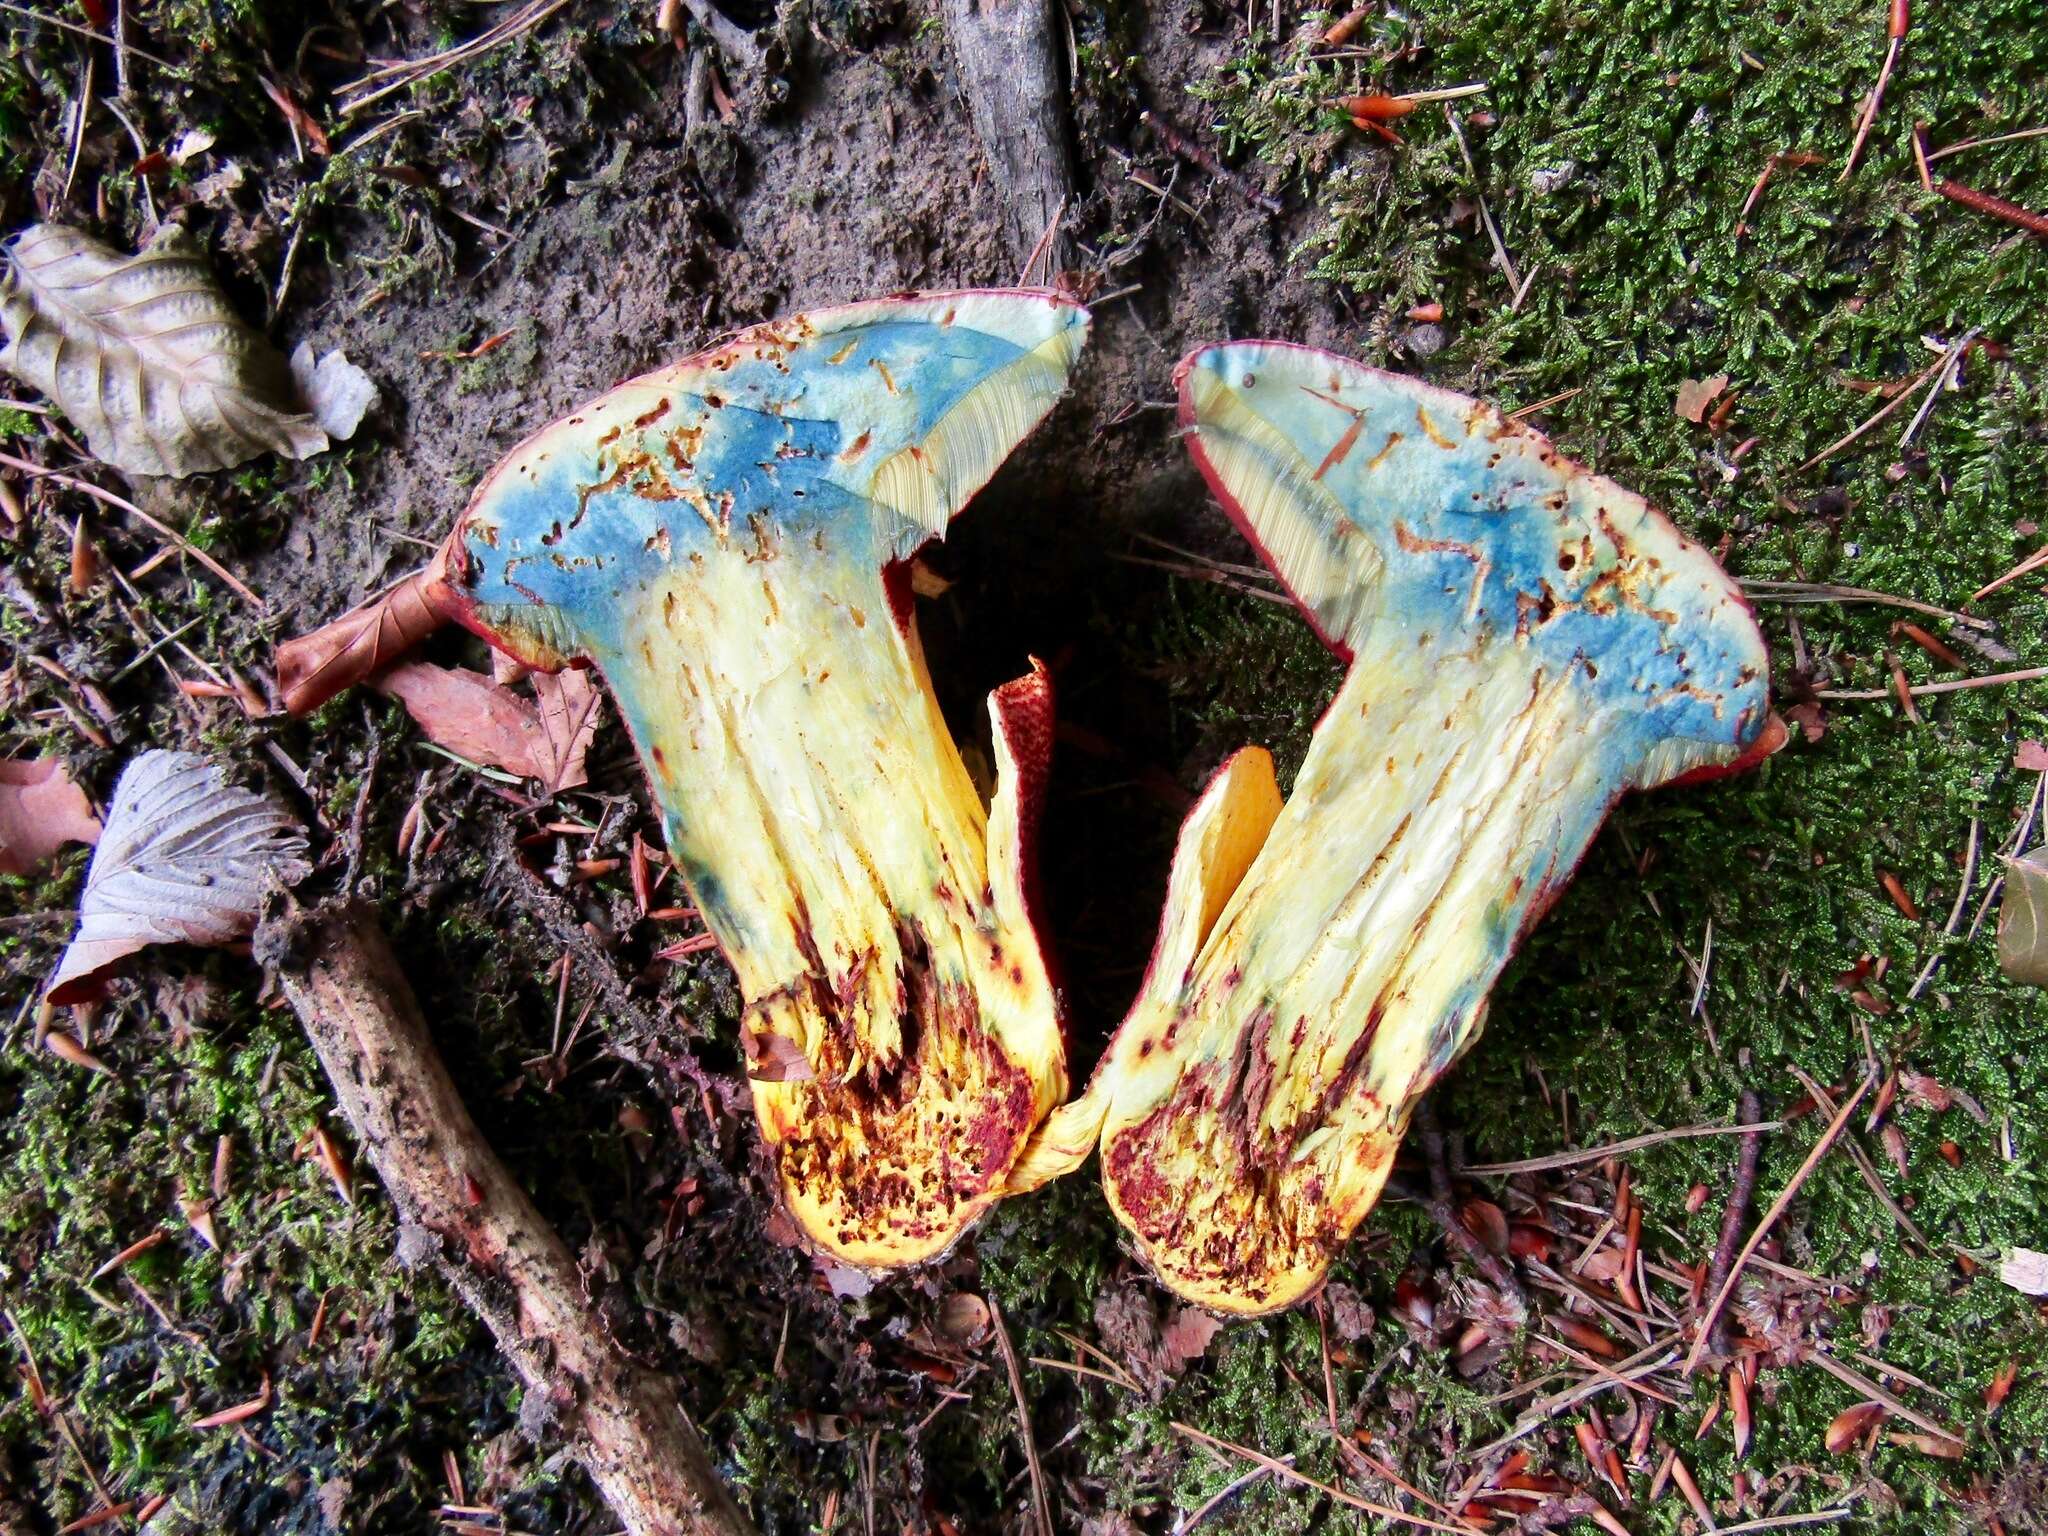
(1695, 395)
(185, 859)
(568, 703)
(964, 1319)
(2023, 920)
(339, 392)
(315, 667)
(145, 355)
(469, 714)
(2031, 757)
(40, 810)
(475, 718)
(2026, 1271)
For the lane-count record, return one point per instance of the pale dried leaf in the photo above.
(315, 667)
(2031, 757)
(1696, 395)
(2025, 1270)
(339, 392)
(1186, 1337)
(569, 711)
(146, 356)
(185, 859)
(40, 810)
(2023, 920)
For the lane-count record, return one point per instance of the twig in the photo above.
(1996, 138)
(1783, 1522)
(1042, 1509)
(730, 38)
(1645, 1362)
(1180, 144)
(1995, 207)
(1946, 377)
(1827, 592)
(1617, 1148)
(1749, 1107)
(1950, 685)
(1442, 1206)
(1877, 1394)
(359, 94)
(1770, 1219)
(73, 482)
(1874, 418)
(49, 20)
(1500, 250)
(456, 1199)
(1895, 30)
(1523, 413)
(1862, 1161)
(1229, 1490)
(1955, 914)
(1282, 1470)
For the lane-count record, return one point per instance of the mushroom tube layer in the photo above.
(724, 540)
(1527, 641)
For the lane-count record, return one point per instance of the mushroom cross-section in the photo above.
(724, 540)
(1526, 640)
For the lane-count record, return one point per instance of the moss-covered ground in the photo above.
(1614, 148)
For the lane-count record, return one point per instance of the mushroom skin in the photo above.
(725, 541)
(1527, 641)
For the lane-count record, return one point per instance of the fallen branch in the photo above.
(1749, 1110)
(1770, 1219)
(1010, 75)
(457, 1200)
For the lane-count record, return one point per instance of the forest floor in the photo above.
(500, 240)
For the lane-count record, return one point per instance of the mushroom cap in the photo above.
(1399, 513)
(866, 426)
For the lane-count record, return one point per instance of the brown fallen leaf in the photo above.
(1695, 395)
(568, 702)
(485, 722)
(2031, 757)
(315, 667)
(40, 810)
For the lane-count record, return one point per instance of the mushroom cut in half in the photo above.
(725, 541)
(1526, 641)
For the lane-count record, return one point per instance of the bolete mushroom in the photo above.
(1527, 640)
(725, 541)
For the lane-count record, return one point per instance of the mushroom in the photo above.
(1526, 641)
(726, 540)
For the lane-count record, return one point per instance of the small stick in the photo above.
(1901, 18)
(1281, 1469)
(1873, 419)
(1995, 207)
(1042, 1509)
(1442, 1206)
(455, 1199)
(1749, 1108)
(1500, 250)
(1180, 144)
(1875, 1393)
(1617, 1148)
(1949, 685)
(1760, 591)
(72, 482)
(1863, 1163)
(1996, 138)
(1770, 1218)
